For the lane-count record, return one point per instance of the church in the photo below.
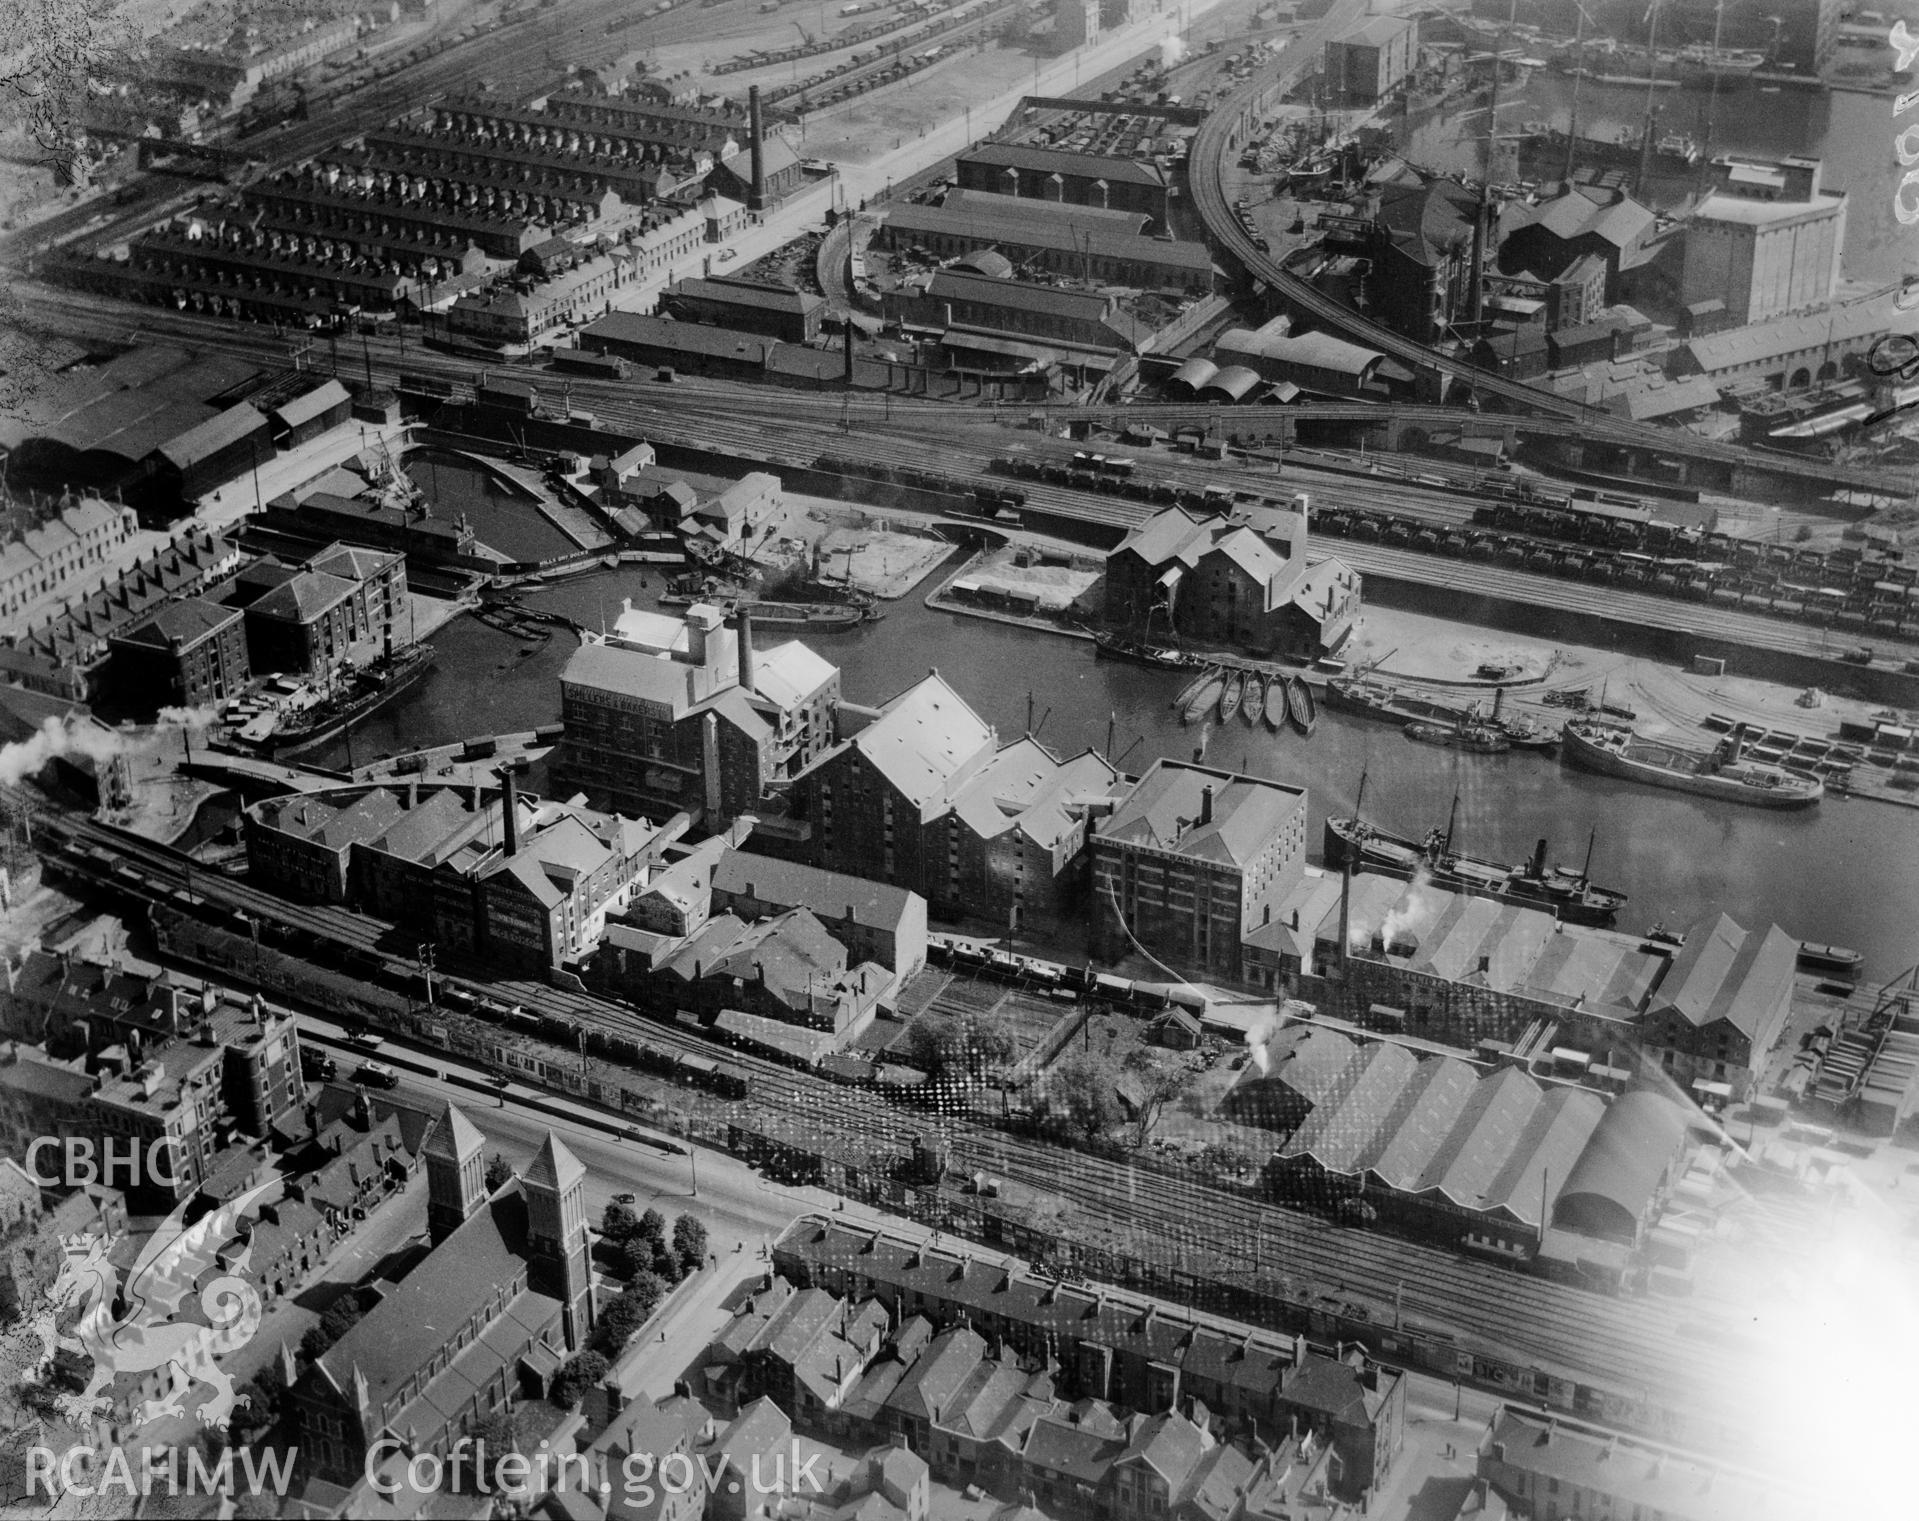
(501, 1300)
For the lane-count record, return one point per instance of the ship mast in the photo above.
(1586, 872)
(1579, 78)
(1360, 801)
(1712, 73)
(1652, 86)
(1452, 819)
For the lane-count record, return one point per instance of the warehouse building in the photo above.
(1247, 580)
(1311, 361)
(925, 798)
(1766, 240)
(1190, 860)
(190, 653)
(793, 316)
(1071, 242)
(1058, 174)
(1443, 1148)
(1370, 60)
(206, 457)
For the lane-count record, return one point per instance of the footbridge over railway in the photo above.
(1602, 440)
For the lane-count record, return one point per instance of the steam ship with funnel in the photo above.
(1722, 772)
(1567, 895)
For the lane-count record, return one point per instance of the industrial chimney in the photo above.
(1205, 805)
(1345, 909)
(849, 348)
(746, 649)
(510, 805)
(756, 130)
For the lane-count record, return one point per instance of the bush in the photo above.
(577, 1374)
(499, 1172)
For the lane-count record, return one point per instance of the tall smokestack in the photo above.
(1205, 805)
(510, 804)
(1345, 909)
(746, 648)
(756, 129)
(849, 348)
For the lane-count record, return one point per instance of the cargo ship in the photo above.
(1722, 772)
(1475, 739)
(1396, 705)
(1672, 150)
(1567, 895)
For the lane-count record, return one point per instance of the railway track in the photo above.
(1627, 1346)
(765, 430)
(1206, 176)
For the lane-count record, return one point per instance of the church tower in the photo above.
(455, 1173)
(555, 1192)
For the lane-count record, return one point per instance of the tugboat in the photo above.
(1722, 772)
(1565, 894)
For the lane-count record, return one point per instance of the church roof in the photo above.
(455, 1138)
(555, 1167)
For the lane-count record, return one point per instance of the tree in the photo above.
(1159, 1079)
(641, 1256)
(579, 1373)
(1077, 1101)
(652, 1227)
(965, 1046)
(689, 1243)
(619, 1222)
(628, 1313)
(499, 1172)
(341, 1317)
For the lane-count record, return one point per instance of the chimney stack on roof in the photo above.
(510, 808)
(1205, 805)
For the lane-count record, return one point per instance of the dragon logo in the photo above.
(139, 1330)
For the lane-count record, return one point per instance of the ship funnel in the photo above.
(1736, 744)
(1499, 700)
(1539, 859)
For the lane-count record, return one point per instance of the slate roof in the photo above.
(554, 1166)
(923, 739)
(1726, 972)
(831, 894)
(1162, 811)
(1628, 1153)
(309, 595)
(455, 1138)
(1115, 171)
(181, 623)
(305, 408)
(207, 439)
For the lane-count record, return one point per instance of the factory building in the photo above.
(669, 715)
(979, 312)
(1489, 1159)
(1246, 580)
(1515, 982)
(1190, 860)
(1312, 361)
(501, 875)
(1766, 240)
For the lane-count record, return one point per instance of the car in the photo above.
(377, 1075)
(627, 1198)
(728, 253)
(317, 1065)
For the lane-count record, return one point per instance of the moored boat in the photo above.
(1722, 772)
(1212, 687)
(1300, 706)
(1474, 738)
(1830, 960)
(1558, 890)
(1111, 646)
(1191, 690)
(1230, 695)
(1275, 702)
(1252, 701)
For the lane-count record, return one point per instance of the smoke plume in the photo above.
(1171, 53)
(1417, 907)
(52, 740)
